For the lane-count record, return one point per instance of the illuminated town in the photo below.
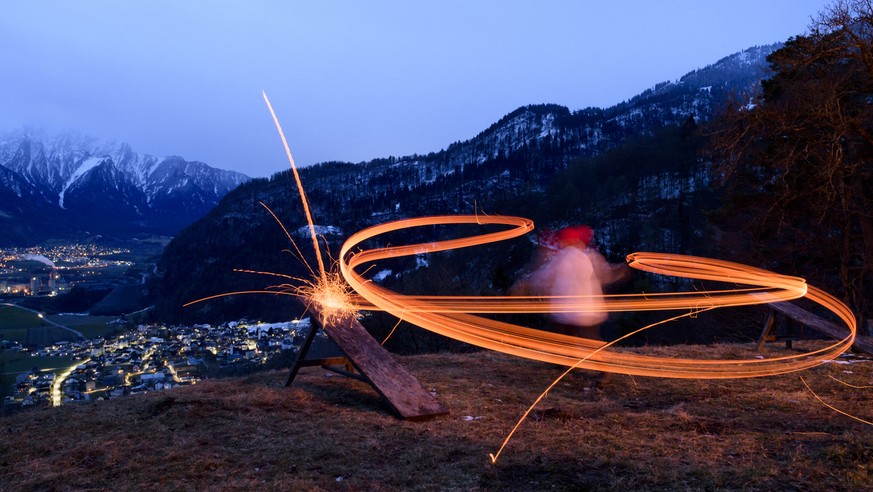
(151, 358)
(126, 359)
(62, 266)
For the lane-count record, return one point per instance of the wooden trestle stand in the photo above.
(374, 365)
(808, 319)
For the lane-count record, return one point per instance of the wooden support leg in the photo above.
(301, 354)
(768, 325)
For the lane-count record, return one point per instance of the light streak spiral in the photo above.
(458, 317)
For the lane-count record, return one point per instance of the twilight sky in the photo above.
(351, 80)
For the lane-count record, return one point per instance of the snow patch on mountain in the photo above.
(86, 166)
(320, 230)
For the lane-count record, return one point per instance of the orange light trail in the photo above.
(452, 316)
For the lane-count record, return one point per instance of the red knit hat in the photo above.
(573, 234)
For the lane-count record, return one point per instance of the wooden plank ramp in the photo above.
(397, 386)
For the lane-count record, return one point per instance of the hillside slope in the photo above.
(330, 432)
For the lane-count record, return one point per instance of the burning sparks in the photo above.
(833, 407)
(303, 199)
(333, 295)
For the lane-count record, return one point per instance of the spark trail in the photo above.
(303, 199)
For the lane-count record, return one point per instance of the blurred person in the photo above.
(576, 273)
(575, 276)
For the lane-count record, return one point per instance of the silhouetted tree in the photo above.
(801, 159)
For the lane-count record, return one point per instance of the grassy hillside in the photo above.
(15, 322)
(332, 433)
(90, 326)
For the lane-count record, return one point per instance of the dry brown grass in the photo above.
(332, 433)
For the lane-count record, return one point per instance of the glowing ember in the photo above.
(330, 292)
(333, 295)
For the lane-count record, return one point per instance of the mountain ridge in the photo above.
(73, 184)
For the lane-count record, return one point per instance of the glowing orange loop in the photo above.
(450, 315)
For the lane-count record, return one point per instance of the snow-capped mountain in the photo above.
(52, 186)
